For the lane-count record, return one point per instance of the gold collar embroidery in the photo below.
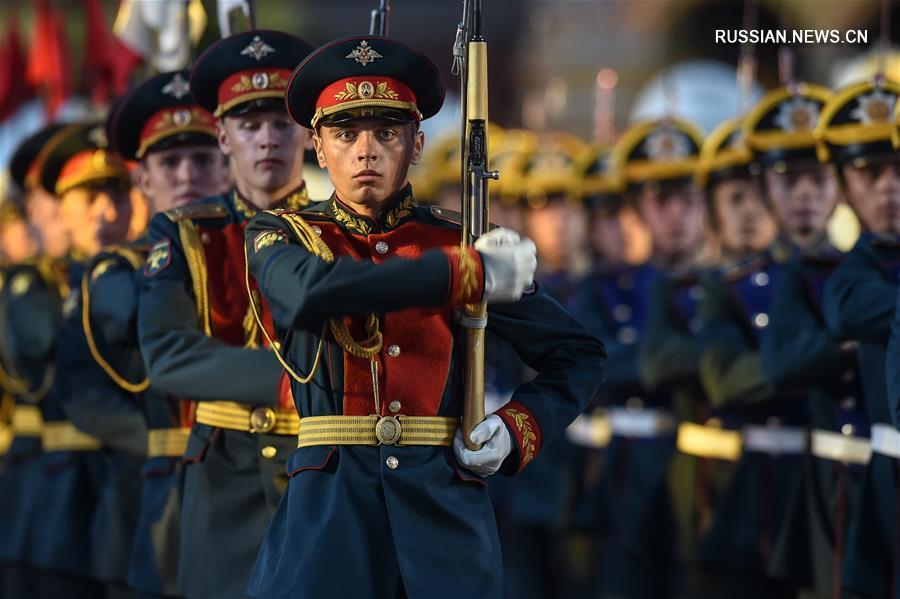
(296, 200)
(391, 219)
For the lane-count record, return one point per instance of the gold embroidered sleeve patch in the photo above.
(268, 238)
(527, 436)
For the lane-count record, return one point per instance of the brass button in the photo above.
(622, 313)
(268, 452)
(761, 279)
(387, 430)
(394, 406)
(317, 230)
(394, 351)
(204, 237)
(262, 420)
(848, 403)
(761, 320)
(847, 429)
(392, 462)
(381, 247)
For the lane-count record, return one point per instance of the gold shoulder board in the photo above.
(197, 211)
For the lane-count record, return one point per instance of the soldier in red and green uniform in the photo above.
(363, 288)
(197, 334)
(175, 141)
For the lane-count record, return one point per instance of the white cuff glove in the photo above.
(509, 264)
(497, 445)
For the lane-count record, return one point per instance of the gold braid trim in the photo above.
(134, 259)
(196, 261)
(366, 349)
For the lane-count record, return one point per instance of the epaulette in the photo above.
(743, 268)
(133, 255)
(193, 211)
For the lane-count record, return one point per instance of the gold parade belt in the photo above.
(706, 441)
(375, 430)
(238, 417)
(830, 445)
(27, 421)
(167, 442)
(63, 436)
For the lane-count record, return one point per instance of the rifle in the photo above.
(470, 62)
(378, 24)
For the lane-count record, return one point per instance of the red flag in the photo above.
(13, 91)
(108, 63)
(48, 67)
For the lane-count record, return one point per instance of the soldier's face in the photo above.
(267, 149)
(673, 214)
(45, 216)
(742, 218)
(608, 236)
(368, 159)
(874, 193)
(180, 175)
(803, 200)
(16, 242)
(557, 229)
(96, 216)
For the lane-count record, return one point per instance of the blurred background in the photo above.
(582, 67)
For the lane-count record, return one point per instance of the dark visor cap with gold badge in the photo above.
(364, 77)
(79, 157)
(158, 114)
(779, 129)
(247, 72)
(25, 164)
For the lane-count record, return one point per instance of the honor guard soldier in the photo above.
(800, 353)
(363, 287)
(611, 301)
(160, 125)
(197, 336)
(656, 162)
(535, 520)
(767, 428)
(31, 295)
(86, 532)
(858, 304)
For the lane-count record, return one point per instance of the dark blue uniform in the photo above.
(859, 305)
(740, 543)
(30, 310)
(802, 357)
(95, 405)
(199, 342)
(403, 518)
(633, 495)
(114, 285)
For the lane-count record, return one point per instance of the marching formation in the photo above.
(690, 391)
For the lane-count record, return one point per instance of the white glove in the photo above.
(509, 264)
(497, 445)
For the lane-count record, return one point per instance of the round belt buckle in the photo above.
(387, 430)
(262, 420)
